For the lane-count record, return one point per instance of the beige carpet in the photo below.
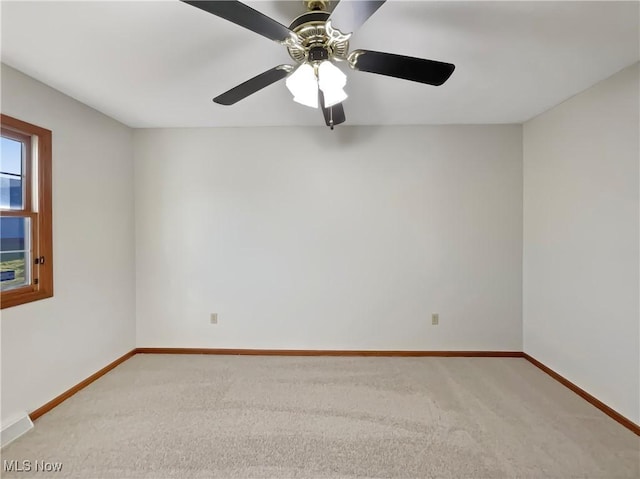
(165, 416)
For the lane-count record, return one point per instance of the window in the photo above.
(26, 266)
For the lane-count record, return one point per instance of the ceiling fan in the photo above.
(315, 40)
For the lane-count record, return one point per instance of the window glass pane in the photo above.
(15, 254)
(11, 174)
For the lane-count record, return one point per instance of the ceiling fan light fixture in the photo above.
(303, 85)
(334, 97)
(312, 42)
(332, 82)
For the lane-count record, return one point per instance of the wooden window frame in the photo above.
(40, 213)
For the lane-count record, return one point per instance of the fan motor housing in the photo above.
(311, 29)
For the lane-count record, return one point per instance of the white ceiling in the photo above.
(159, 63)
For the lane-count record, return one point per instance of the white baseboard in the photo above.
(16, 428)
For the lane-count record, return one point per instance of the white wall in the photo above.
(50, 345)
(581, 241)
(311, 239)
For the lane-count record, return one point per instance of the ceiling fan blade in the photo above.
(333, 115)
(245, 16)
(349, 15)
(408, 68)
(253, 85)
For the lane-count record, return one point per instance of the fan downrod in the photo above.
(313, 5)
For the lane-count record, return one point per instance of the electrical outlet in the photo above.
(435, 319)
(214, 318)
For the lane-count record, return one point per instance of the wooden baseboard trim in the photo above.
(81, 385)
(263, 352)
(331, 352)
(635, 428)
(613, 414)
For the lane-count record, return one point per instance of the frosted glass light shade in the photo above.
(303, 85)
(331, 81)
